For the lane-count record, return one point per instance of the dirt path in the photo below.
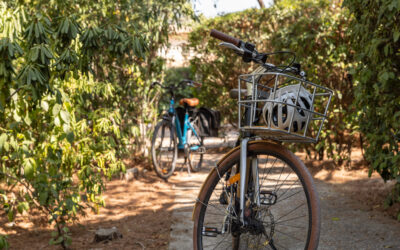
(186, 191)
(351, 213)
(140, 209)
(349, 224)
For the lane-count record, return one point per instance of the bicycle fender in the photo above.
(218, 163)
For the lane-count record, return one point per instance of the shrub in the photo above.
(376, 33)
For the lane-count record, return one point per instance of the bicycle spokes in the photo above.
(278, 220)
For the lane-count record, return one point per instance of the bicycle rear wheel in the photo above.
(164, 149)
(287, 218)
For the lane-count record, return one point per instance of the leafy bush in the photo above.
(48, 133)
(376, 33)
(74, 80)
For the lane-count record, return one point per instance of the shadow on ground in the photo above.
(146, 210)
(140, 209)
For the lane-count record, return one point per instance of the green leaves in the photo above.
(38, 31)
(396, 35)
(23, 206)
(64, 238)
(3, 242)
(375, 32)
(3, 139)
(9, 51)
(91, 38)
(65, 116)
(67, 59)
(44, 105)
(31, 74)
(40, 54)
(68, 29)
(64, 130)
(43, 196)
(29, 168)
(70, 137)
(56, 109)
(10, 215)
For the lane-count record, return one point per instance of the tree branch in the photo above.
(261, 3)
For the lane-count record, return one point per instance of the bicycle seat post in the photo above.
(186, 145)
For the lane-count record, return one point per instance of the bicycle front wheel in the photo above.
(287, 215)
(164, 149)
(196, 148)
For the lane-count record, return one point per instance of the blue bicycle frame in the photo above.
(186, 125)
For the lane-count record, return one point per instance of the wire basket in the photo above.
(282, 107)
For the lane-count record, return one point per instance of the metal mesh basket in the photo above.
(282, 107)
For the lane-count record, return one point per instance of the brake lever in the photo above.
(231, 46)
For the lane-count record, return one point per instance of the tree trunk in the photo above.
(261, 3)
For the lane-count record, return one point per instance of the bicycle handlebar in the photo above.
(249, 53)
(226, 38)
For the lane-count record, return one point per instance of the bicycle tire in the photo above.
(158, 163)
(227, 165)
(194, 158)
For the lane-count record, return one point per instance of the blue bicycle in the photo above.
(172, 134)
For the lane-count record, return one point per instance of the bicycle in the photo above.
(170, 135)
(260, 195)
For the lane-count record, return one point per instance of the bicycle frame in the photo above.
(186, 126)
(243, 177)
(244, 168)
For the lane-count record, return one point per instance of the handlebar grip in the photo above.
(224, 37)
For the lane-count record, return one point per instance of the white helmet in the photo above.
(277, 115)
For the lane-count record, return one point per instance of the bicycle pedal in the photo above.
(268, 197)
(210, 231)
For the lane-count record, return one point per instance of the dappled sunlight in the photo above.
(140, 209)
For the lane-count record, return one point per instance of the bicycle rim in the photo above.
(293, 222)
(164, 149)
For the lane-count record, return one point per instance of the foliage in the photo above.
(74, 80)
(3, 242)
(174, 76)
(375, 33)
(314, 30)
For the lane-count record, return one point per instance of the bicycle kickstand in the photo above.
(187, 166)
